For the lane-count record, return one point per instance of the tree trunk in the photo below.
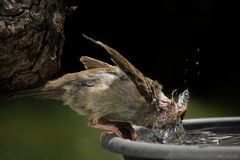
(31, 42)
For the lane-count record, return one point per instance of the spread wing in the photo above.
(91, 63)
(148, 88)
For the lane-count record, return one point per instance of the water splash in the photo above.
(192, 67)
(213, 136)
(174, 133)
(184, 98)
(168, 128)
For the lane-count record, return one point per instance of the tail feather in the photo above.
(34, 92)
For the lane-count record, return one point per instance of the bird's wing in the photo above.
(147, 87)
(91, 63)
(71, 77)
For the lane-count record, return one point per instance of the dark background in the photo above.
(181, 43)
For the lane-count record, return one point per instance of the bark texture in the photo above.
(31, 42)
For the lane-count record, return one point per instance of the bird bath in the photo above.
(223, 142)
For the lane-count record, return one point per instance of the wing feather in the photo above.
(91, 63)
(147, 87)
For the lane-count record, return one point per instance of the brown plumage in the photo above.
(114, 97)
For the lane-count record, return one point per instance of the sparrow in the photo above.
(114, 97)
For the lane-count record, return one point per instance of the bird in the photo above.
(113, 97)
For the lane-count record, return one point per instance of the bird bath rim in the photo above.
(146, 150)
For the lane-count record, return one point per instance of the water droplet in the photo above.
(197, 49)
(186, 59)
(197, 63)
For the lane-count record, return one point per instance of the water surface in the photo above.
(210, 136)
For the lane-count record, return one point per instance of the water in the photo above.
(170, 134)
(220, 136)
(192, 67)
(214, 136)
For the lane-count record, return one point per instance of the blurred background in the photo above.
(183, 44)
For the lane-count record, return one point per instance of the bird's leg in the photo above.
(121, 129)
(109, 128)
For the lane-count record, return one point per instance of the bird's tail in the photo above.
(38, 92)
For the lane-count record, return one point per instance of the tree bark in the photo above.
(31, 42)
